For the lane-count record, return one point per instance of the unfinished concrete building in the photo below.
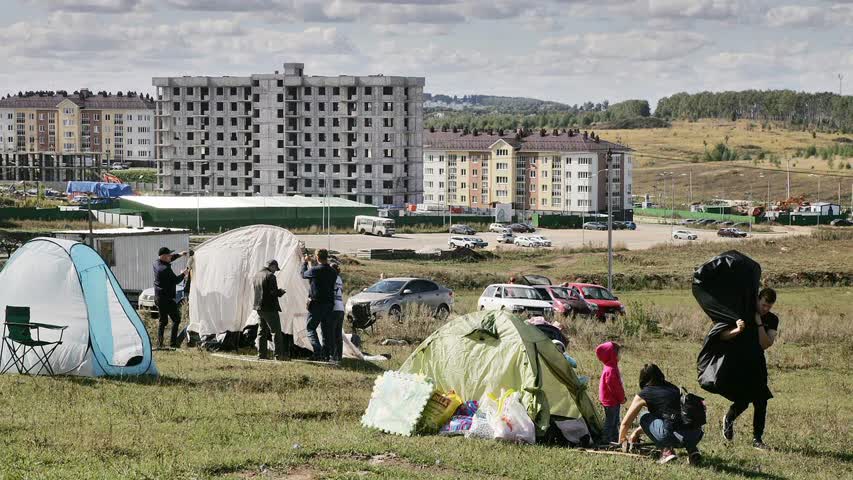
(287, 133)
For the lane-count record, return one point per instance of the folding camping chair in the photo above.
(18, 339)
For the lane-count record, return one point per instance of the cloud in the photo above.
(633, 45)
(88, 6)
(810, 16)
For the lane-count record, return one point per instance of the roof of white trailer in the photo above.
(193, 202)
(112, 232)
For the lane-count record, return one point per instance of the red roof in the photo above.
(531, 142)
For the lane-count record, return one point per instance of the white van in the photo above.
(365, 224)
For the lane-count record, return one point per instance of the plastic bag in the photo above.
(512, 423)
(481, 424)
(438, 411)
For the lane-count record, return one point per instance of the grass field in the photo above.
(207, 417)
(680, 148)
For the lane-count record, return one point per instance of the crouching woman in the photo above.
(662, 423)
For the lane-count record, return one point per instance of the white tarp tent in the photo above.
(66, 283)
(222, 293)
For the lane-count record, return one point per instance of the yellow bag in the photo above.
(439, 409)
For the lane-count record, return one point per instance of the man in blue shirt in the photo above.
(321, 295)
(165, 282)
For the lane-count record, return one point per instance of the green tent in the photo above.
(488, 350)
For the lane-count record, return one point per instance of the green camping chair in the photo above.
(18, 339)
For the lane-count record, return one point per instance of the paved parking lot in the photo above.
(646, 235)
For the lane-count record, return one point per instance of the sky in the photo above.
(570, 51)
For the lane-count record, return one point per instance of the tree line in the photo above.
(814, 111)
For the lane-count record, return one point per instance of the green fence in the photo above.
(666, 213)
(805, 220)
(439, 220)
(557, 221)
(43, 214)
(214, 220)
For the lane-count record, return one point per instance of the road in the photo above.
(646, 236)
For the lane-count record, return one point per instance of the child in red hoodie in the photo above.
(611, 391)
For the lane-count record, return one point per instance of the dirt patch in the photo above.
(298, 473)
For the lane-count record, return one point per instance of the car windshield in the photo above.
(560, 292)
(522, 293)
(597, 293)
(386, 286)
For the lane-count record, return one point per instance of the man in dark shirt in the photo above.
(768, 328)
(165, 282)
(321, 302)
(266, 304)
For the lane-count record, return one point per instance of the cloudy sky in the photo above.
(564, 50)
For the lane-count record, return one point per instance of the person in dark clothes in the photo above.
(662, 423)
(266, 304)
(165, 283)
(767, 324)
(321, 303)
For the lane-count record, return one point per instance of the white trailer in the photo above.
(131, 252)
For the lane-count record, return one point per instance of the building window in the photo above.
(106, 248)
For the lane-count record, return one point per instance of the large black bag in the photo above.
(726, 288)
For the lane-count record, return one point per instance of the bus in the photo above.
(365, 224)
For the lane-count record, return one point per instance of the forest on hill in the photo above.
(825, 112)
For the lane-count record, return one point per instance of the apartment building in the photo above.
(288, 133)
(53, 136)
(556, 171)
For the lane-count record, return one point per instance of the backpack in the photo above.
(693, 411)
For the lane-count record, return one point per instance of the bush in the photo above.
(144, 175)
(721, 152)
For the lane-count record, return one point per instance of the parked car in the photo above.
(526, 241)
(520, 228)
(617, 225)
(521, 299)
(630, 225)
(705, 221)
(561, 297)
(731, 232)
(840, 222)
(465, 241)
(741, 225)
(684, 235)
(544, 242)
(688, 221)
(462, 229)
(506, 236)
(145, 303)
(727, 223)
(595, 226)
(389, 297)
(498, 227)
(595, 300)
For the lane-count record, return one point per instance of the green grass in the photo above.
(207, 417)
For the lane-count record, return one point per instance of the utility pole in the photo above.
(788, 168)
(690, 194)
(609, 226)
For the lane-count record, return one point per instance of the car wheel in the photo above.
(395, 313)
(442, 312)
(362, 231)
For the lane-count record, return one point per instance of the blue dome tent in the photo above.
(67, 284)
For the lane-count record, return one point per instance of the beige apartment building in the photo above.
(53, 136)
(547, 171)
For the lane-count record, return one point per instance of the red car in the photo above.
(591, 299)
(560, 297)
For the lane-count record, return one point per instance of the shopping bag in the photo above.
(512, 423)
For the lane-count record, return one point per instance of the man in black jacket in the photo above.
(321, 302)
(165, 282)
(266, 304)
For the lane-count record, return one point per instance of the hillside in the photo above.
(763, 155)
